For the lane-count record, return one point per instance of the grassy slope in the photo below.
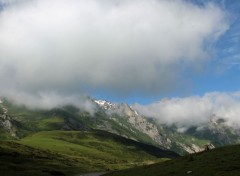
(21, 160)
(218, 162)
(71, 152)
(99, 148)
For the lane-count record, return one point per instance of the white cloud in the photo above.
(49, 100)
(122, 46)
(195, 110)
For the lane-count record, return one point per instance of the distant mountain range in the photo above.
(119, 118)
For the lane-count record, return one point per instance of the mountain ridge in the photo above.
(120, 119)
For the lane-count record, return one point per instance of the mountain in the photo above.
(186, 140)
(118, 118)
(220, 161)
(69, 140)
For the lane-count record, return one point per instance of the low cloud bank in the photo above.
(49, 100)
(195, 110)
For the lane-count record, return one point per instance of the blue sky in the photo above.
(222, 74)
(121, 51)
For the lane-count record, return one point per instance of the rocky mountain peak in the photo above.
(104, 104)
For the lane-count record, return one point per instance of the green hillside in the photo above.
(71, 152)
(222, 161)
(28, 121)
(21, 160)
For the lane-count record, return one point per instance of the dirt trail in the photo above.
(93, 174)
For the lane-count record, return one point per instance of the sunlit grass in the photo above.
(71, 152)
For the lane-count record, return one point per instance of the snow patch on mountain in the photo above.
(104, 104)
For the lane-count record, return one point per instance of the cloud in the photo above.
(119, 46)
(49, 100)
(195, 110)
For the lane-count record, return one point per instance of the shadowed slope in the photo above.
(221, 161)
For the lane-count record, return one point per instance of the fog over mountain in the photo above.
(195, 110)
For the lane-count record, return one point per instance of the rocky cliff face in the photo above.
(123, 114)
(6, 123)
(138, 123)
